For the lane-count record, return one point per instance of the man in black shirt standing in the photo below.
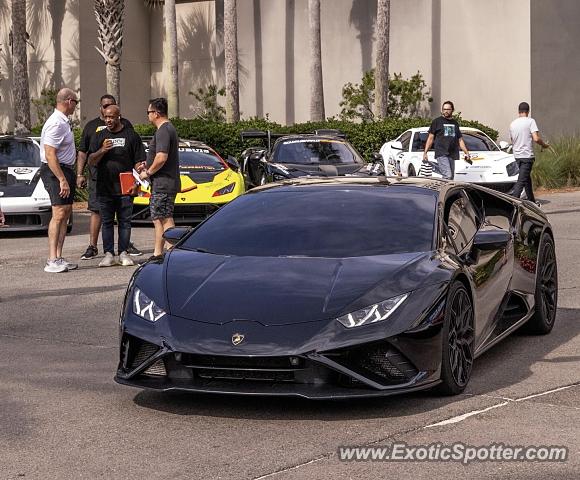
(91, 129)
(114, 150)
(444, 131)
(162, 169)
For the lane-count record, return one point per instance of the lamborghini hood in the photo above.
(285, 290)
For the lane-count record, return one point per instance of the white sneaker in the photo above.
(126, 260)
(70, 266)
(108, 261)
(54, 266)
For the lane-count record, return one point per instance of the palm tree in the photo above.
(20, 89)
(231, 61)
(316, 84)
(109, 15)
(170, 53)
(171, 69)
(383, 26)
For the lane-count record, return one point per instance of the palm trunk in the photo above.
(231, 60)
(316, 84)
(382, 68)
(109, 15)
(20, 87)
(171, 60)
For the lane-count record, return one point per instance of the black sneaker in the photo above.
(156, 258)
(134, 251)
(91, 252)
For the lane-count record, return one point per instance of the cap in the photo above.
(524, 107)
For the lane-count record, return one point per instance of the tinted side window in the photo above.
(461, 219)
(405, 140)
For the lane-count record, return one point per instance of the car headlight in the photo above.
(225, 190)
(375, 313)
(145, 308)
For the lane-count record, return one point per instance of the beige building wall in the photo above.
(53, 53)
(485, 58)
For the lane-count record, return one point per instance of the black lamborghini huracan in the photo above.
(339, 287)
(325, 153)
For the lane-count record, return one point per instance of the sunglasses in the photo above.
(151, 111)
(107, 105)
(74, 100)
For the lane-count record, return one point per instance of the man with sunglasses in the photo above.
(57, 171)
(89, 132)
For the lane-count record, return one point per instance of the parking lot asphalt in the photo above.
(62, 416)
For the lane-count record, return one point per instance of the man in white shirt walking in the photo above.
(58, 156)
(523, 133)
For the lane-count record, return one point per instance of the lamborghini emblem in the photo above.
(237, 338)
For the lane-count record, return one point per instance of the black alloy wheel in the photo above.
(546, 296)
(458, 338)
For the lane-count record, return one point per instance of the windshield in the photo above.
(321, 221)
(199, 159)
(474, 141)
(310, 151)
(18, 153)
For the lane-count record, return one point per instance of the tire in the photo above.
(412, 172)
(458, 338)
(546, 296)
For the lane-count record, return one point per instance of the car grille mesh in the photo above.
(380, 362)
(158, 369)
(257, 375)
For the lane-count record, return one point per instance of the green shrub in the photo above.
(558, 166)
(367, 138)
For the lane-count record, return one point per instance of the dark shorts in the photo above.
(52, 184)
(93, 203)
(162, 205)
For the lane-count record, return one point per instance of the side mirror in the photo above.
(175, 234)
(396, 146)
(503, 145)
(376, 157)
(492, 239)
(233, 163)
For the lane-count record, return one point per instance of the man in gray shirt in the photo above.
(523, 133)
(162, 170)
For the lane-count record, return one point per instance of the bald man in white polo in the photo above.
(58, 156)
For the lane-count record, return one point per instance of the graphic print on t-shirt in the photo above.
(448, 130)
(118, 142)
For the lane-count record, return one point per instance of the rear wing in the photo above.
(270, 136)
(266, 135)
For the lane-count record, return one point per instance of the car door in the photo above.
(400, 157)
(490, 270)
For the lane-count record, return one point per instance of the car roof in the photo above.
(183, 143)
(426, 129)
(310, 136)
(18, 138)
(417, 182)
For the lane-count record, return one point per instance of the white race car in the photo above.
(23, 198)
(492, 166)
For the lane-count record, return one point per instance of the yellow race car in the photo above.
(207, 182)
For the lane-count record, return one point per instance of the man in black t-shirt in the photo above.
(444, 131)
(91, 129)
(114, 150)
(162, 169)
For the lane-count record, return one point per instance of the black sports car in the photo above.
(326, 153)
(347, 287)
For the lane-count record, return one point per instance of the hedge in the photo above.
(367, 138)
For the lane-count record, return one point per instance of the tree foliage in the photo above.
(211, 110)
(407, 97)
